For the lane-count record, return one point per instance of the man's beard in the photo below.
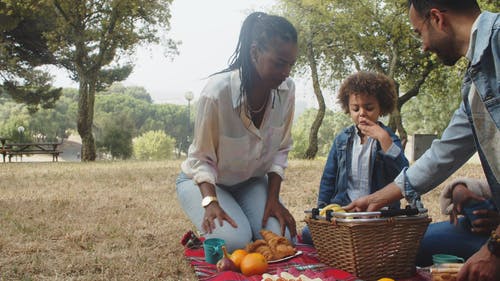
(446, 52)
(448, 59)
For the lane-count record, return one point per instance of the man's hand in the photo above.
(481, 266)
(377, 200)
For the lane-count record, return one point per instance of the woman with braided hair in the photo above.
(230, 182)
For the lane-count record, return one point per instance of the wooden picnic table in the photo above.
(29, 148)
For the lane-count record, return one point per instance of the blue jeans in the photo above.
(306, 236)
(243, 202)
(446, 238)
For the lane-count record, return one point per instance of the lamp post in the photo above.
(189, 96)
(20, 130)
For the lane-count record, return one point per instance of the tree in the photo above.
(332, 124)
(154, 145)
(23, 49)
(114, 134)
(90, 38)
(345, 36)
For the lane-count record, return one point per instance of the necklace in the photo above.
(260, 109)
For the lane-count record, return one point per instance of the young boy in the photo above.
(366, 156)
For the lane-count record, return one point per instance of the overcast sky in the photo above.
(209, 33)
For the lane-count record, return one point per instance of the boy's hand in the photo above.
(373, 130)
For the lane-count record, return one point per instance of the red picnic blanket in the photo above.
(306, 263)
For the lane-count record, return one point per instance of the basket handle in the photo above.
(408, 211)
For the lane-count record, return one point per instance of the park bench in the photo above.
(19, 149)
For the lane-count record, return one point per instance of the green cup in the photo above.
(444, 258)
(213, 249)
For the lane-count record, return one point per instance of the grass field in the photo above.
(116, 220)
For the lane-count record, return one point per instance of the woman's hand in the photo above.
(275, 209)
(214, 212)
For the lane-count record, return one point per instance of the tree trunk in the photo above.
(396, 124)
(313, 135)
(86, 118)
(395, 120)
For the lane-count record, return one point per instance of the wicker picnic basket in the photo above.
(370, 246)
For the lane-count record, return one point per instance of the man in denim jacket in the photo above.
(452, 29)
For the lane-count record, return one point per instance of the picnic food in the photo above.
(334, 207)
(226, 264)
(272, 247)
(252, 264)
(285, 276)
(237, 256)
(445, 271)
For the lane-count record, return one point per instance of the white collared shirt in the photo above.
(360, 177)
(227, 147)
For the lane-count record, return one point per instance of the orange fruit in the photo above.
(237, 256)
(253, 264)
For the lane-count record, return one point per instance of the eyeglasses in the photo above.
(417, 32)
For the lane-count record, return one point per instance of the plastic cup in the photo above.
(470, 207)
(213, 249)
(444, 258)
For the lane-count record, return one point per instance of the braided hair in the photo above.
(261, 29)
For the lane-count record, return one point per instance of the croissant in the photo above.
(279, 245)
(260, 246)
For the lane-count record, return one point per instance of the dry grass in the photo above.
(114, 221)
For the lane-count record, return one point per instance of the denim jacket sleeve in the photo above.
(441, 160)
(328, 179)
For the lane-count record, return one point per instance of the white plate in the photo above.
(286, 258)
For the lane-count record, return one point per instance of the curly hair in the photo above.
(372, 84)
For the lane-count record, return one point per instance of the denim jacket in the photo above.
(459, 140)
(385, 167)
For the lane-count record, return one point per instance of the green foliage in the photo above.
(122, 113)
(22, 49)
(114, 134)
(137, 110)
(430, 111)
(92, 40)
(332, 124)
(154, 145)
(44, 124)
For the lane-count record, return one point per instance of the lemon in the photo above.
(333, 207)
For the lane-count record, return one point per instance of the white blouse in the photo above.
(227, 148)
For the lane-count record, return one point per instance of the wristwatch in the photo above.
(207, 200)
(494, 244)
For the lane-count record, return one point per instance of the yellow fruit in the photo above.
(237, 256)
(253, 264)
(333, 207)
(385, 279)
